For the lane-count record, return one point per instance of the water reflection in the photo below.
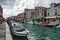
(19, 38)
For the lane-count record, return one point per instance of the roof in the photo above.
(56, 4)
(39, 7)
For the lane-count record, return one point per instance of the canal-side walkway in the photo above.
(2, 31)
(8, 35)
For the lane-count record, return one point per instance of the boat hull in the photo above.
(24, 33)
(49, 25)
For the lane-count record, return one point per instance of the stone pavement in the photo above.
(3, 31)
(8, 35)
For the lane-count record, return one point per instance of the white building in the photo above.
(28, 13)
(53, 11)
(21, 17)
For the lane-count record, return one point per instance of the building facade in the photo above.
(1, 14)
(54, 9)
(53, 12)
(21, 17)
(1, 11)
(39, 12)
(28, 13)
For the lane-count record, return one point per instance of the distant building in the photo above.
(21, 16)
(53, 11)
(28, 14)
(39, 12)
(35, 14)
(10, 18)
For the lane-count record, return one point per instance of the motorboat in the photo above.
(49, 24)
(58, 26)
(52, 24)
(44, 23)
(30, 22)
(19, 30)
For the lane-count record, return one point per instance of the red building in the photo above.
(39, 12)
(1, 14)
(25, 18)
(1, 11)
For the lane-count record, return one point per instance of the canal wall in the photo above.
(8, 35)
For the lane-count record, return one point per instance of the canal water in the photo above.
(38, 32)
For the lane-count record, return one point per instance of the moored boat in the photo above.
(49, 24)
(19, 30)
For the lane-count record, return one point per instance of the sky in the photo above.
(14, 7)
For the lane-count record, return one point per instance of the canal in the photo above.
(38, 32)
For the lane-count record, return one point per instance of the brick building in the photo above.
(39, 12)
(21, 17)
(1, 14)
(1, 11)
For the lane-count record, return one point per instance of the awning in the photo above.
(58, 16)
(36, 19)
(51, 17)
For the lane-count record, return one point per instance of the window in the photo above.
(48, 12)
(38, 14)
(55, 11)
(51, 4)
(42, 14)
(24, 13)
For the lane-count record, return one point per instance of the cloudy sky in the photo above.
(14, 7)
